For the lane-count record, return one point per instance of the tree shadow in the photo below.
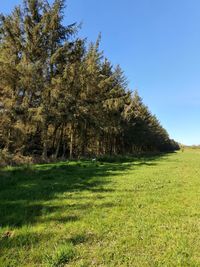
(23, 190)
(143, 157)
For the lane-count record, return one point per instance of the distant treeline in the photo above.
(60, 97)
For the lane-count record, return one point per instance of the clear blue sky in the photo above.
(157, 43)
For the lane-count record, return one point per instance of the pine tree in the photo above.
(59, 97)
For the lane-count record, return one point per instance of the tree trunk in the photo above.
(71, 142)
(64, 144)
(54, 135)
(98, 147)
(44, 151)
(58, 144)
(44, 137)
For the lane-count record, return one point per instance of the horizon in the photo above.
(157, 46)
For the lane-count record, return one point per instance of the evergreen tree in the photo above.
(59, 97)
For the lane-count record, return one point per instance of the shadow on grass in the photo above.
(143, 158)
(23, 190)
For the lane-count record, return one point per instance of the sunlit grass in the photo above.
(139, 212)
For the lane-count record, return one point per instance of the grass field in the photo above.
(139, 212)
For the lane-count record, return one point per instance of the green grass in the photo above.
(137, 212)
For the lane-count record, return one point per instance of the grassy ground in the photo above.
(134, 213)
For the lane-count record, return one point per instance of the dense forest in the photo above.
(60, 97)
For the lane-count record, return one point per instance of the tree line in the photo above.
(60, 97)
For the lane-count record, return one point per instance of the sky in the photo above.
(157, 44)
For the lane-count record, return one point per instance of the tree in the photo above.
(60, 97)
